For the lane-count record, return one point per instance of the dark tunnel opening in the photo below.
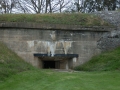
(49, 64)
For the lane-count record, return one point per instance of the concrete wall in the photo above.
(26, 42)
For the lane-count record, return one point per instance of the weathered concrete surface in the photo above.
(29, 25)
(26, 42)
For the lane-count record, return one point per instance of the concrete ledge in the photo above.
(57, 55)
(29, 25)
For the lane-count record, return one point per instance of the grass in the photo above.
(106, 61)
(15, 74)
(10, 63)
(66, 19)
(51, 80)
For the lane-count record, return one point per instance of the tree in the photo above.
(99, 5)
(48, 3)
(110, 4)
(7, 5)
(79, 5)
(39, 6)
(47, 6)
(62, 4)
(88, 6)
(35, 6)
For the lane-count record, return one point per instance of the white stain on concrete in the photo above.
(53, 36)
(30, 43)
(50, 46)
(66, 45)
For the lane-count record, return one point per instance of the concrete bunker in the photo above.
(54, 46)
(58, 61)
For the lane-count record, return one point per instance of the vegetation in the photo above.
(51, 80)
(97, 5)
(107, 61)
(74, 19)
(10, 63)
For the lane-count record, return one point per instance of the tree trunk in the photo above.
(46, 6)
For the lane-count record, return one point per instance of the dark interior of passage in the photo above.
(49, 64)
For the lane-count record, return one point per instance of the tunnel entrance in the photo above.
(58, 61)
(48, 64)
(51, 64)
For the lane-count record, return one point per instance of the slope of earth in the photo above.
(107, 61)
(10, 63)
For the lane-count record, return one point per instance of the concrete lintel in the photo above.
(57, 55)
(30, 25)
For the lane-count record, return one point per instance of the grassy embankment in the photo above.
(10, 63)
(66, 19)
(15, 74)
(106, 61)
